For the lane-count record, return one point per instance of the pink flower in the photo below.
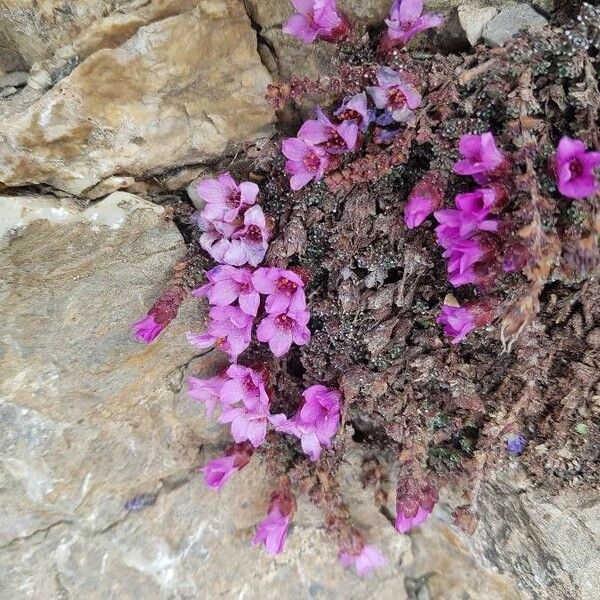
(481, 156)
(317, 420)
(284, 289)
(249, 244)
(335, 139)
(575, 169)
(163, 311)
(407, 20)
(146, 330)
(316, 19)
(207, 391)
(470, 216)
(281, 330)
(305, 162)
(366, 560)
(227, 284)
(413, 505)
(219, 470)
(424, 198)
(272, 531)
(244, 385)
(417, 209)
(225, 198)
(458, 322)
(229, 329)
(248, 423)
(354, 108)
(462, 256)
(393, 95)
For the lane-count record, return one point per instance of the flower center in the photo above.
(335, 140)
(254, 233)
(234, 198)
(284, 321)
(396, 99)
(311, 161)
(249, 385)
(287, 286)
(350, 114)
(576, 168)
(406, 25)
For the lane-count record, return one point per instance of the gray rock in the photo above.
(473, 19)
(14, 79)
(510, 21)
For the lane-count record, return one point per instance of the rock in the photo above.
(473, 19)
(14, 79)
(153, 94)
(547, 542)
(99, 448)
(510, 21)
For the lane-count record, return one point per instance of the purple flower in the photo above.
(355, 109)
(417, 209)
(227, 284)
(317, 421)
(414, 504)
(219, 470)
(146, 330)
(515, 444)
(249, 244)
(407, 20)
(458, 322)
(225, 198)
(272, 531)
(281, 330)
(462, 256)
(368, 559)
(393, 95)
(305, 162)
(335, 139)
(481, 156)
(244, 385)
(575, 169)
(207, 391)
(284, 289)
(316, 19)
(163, 311)
(229, 329)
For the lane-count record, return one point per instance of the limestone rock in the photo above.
(510, 21)
(473, 19)
(156, 91)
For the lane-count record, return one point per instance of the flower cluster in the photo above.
(405, 21)
(317, 19)
(320, 141)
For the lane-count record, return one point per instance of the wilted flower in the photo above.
(226, 284)
(317, 19)
(207, 391)
(284, 289)
(481, 156)
(335, 139)
(355, 108)
(575, 169)
(458, 322)
(407, 20)
(317, 420)
(394, 95)
(279, 331)
(365, 560)
(219, 470)
(225, 198)
(272, 531)
(305, 162)
(229, 329)
(414, 504)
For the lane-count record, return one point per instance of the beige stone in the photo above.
(180, 90)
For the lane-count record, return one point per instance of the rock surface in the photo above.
(509, 21)
(160, 86)
(99, 444)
